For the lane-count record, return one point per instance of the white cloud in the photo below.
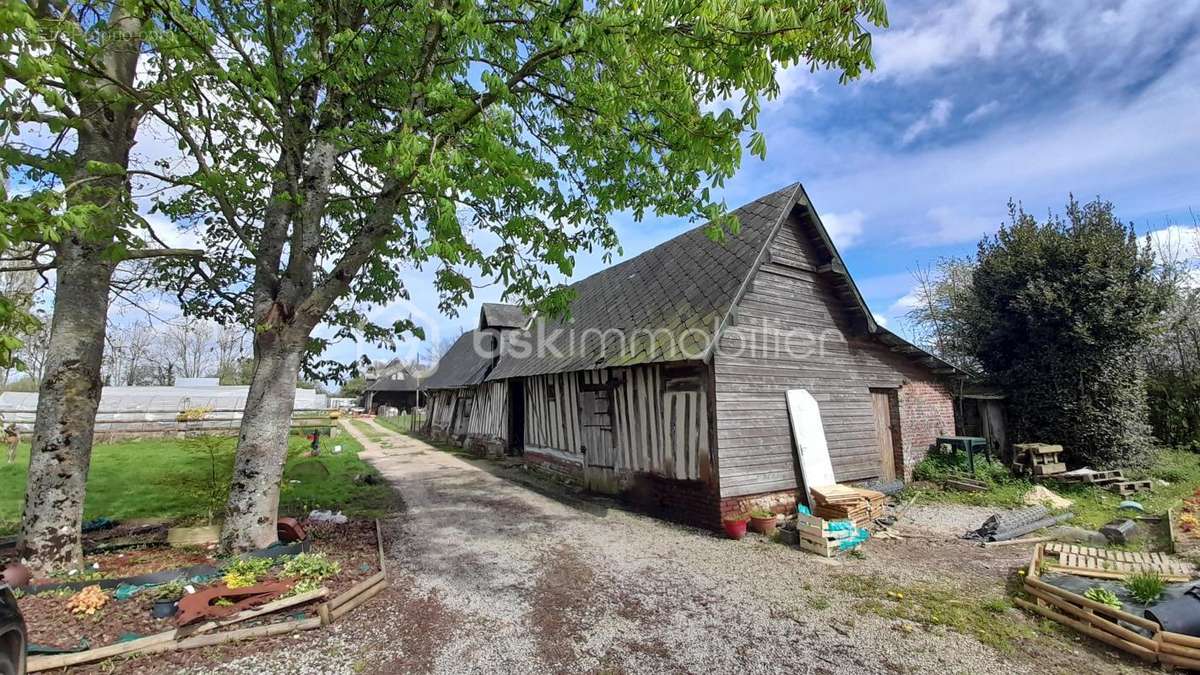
(906, 303)
(880, 319)
(846, 229)
(982, 111)
(936, 117)
(946, 225)
(945, 36)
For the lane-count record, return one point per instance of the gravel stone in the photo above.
(493, 571)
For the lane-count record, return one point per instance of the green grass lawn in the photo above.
(401, 424)
(169, 478)
(1093, 506)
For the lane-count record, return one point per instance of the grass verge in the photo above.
(989, 619)
(169, 478)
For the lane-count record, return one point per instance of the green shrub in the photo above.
(1145, 587)
(246, 571)
(1102, 596)
(311, 567)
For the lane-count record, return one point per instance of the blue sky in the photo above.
(972, 103)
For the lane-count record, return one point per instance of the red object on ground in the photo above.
(288, 530)
(735, 529)
(199, 605)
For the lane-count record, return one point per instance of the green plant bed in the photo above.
(169, 478)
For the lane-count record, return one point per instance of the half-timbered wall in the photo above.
(489, 414)
(441, 412)
(659, 425)
(764, 352)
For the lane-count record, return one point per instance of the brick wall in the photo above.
(926, 411)
(553, 466)
(690, 502)
(783, 501)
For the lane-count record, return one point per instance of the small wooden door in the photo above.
(881, 405)
(596, 429)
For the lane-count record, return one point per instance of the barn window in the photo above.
(550, 395)
(683, 378)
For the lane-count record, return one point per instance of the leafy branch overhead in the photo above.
(338, 147)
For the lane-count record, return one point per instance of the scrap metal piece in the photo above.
(199, 605)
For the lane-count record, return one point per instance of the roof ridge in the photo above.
(666, 242)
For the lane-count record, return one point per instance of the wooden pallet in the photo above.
(1098, 563)
(1095, 477)
(1129, 487)
(1049, 469)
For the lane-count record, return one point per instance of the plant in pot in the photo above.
(735, 525)
(166, 599)
(762, 521)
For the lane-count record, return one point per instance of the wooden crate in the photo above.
(815, 535)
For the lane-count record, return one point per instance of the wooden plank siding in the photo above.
(655, 430)
(489, 416)
(441, 412)
(793, 330)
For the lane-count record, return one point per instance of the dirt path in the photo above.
(490, 575)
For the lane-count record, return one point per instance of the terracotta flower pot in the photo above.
(735, 529)
(763, 525)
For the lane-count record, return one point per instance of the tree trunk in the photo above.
(66, 413)
(262, 445)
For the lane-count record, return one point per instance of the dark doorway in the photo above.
(516, 416)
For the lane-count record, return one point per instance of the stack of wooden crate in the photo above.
(820, 536)
(843, 502)
(1039, 459)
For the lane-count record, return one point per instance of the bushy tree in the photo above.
(337, 144)
(1061, 311)
(77, 79)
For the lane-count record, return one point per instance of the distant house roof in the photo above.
(668, 303)
(496, 315)
(466, 363)
(396, 382)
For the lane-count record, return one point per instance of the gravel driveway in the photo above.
(492, 573)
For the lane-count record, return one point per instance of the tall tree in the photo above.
(69, 122)
(1062, 311)
(337, 141)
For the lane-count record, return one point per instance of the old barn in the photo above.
(668, 383)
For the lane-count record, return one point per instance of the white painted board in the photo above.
(808, 435)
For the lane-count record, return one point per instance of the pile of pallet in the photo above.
(843, 502)
(1113, 481)
(1038, 459)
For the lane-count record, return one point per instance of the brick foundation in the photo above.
(554, 467)
(690, 502)
(783, 501)
(926, 411)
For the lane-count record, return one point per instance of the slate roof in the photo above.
(496, 315)
(677, 293)
(466, 363)
(664, 305)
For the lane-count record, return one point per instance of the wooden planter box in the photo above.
(1099, 621)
